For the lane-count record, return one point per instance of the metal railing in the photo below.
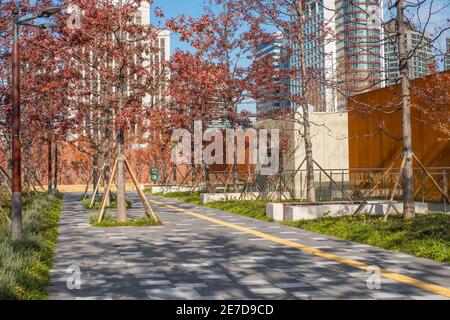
(356, 183)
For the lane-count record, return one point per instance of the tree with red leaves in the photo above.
(226, 51)
(46, 83)
(120, 77)
(194, 88)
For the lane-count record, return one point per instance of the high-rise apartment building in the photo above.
(447, 54)
(276, 49)
(320, 56)
(156, 63)
(343, 51)
(91, 80)
(359, 34)
(416, 42)
(163, 42)
(157, 58)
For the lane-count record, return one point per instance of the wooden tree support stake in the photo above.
(431, 178)
(148, 209)
(361, 206)
(334, 182)
(86, 189)
(108, 189)
(95, 191)
(397, 182)
(97, 187)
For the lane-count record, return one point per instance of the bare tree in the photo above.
(413, 42)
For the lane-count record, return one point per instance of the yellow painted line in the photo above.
(443, 291)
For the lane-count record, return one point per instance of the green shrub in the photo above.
(253, 209)
(191, 197)
(427, 236)
(108, 221)
(25, 263)
(98, 202)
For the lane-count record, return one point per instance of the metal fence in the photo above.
(330, 184)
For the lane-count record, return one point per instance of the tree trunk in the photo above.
(16, 156)
(408, 174)
(174, 174)
(235, 161)
(107, 155)
(55, 184)
(49, 166)
(310, 188)
(207, 178)
(106, 177)
(121, 202)
(235, 175)
(95, 170)
(95, 156)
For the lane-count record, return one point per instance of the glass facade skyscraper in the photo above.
(343, 51)
(320, 55)
(360, 52)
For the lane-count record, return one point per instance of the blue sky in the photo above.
(194, 8)
(173, 8)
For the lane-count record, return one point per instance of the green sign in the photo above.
(154, 173)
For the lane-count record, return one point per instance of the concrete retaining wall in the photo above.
(286, 212)
(293, 213)
(169, 189)
(215, 197)
(329, 134)
(275, 211)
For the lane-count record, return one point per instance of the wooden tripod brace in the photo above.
(148, 209)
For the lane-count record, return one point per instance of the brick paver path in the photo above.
(193, 258)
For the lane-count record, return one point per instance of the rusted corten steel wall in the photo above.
(375, 133)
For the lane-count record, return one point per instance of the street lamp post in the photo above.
(16, 154)
(16, 187)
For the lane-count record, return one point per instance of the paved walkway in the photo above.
(201, 253)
